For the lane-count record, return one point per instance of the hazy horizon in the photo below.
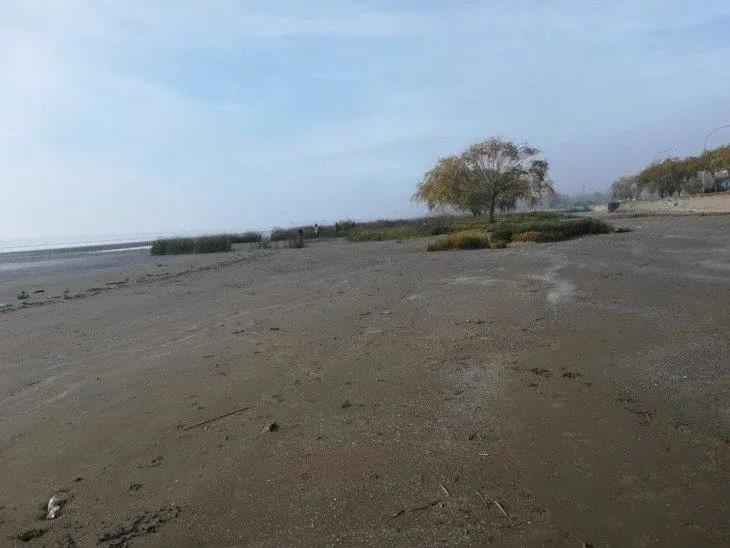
(135, 117)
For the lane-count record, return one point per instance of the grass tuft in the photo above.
(527, 236)
(461, 240)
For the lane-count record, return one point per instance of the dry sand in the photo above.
(572, 393)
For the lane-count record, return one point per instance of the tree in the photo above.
(623, 188)
(668, 177)
(488, 174)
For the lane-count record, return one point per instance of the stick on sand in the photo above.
(215, 419)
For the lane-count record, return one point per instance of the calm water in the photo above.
(20, 258)
(10, 245)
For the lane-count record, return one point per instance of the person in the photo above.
(316, 231)
(301, 237)
(337, 229)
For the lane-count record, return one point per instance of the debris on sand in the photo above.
(501, 509)
(142, 525)
(54, 506)
(219, 417)
(272, 427)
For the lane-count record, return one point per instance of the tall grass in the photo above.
(325, 231)
(548, 226)
(401, 229)
(550, 230)
(184, 246)
(245, 237)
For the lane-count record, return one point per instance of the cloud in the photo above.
(124, 116)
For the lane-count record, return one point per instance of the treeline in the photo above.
(707, 172)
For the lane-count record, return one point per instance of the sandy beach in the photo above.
(572, 392)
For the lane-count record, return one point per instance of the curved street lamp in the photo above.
(713, 131)
(674, 149)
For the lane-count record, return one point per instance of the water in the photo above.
(21, 258)
(13, 245)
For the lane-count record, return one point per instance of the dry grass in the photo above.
(528, 236)
(461, 240)
(184, 246)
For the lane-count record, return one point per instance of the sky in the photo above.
(177, 115)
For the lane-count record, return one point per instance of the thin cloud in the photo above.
(177, 114)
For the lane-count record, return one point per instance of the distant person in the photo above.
(337, 229)
(301, 237)
(316, 231)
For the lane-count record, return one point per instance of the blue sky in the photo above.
(165, 116)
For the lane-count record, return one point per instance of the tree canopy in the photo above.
(674, 175)
(490, 174)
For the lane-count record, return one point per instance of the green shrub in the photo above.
(529, 216)
(570, 228)
(461, 240)
(504, 233)
(183, 246)
(382, 233)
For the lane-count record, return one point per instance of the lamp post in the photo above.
(662, 153)
(713, 131)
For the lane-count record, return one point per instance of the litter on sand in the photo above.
(54, 507)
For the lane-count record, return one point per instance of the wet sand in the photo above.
(574, 392)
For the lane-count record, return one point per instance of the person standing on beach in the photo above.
(316, 231)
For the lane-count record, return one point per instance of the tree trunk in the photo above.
(492, 205)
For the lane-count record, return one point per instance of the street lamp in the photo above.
(664, 152)
(713, 131)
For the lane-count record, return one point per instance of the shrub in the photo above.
(551, 230)
(346, 225)
(504, 233)
(280, 234)
(461, 240)
(528, 236)
(246, 238)
(555, 231)
(183, 246)
(379, 234)
(297, 243)
(529, 216)
(325, 231)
